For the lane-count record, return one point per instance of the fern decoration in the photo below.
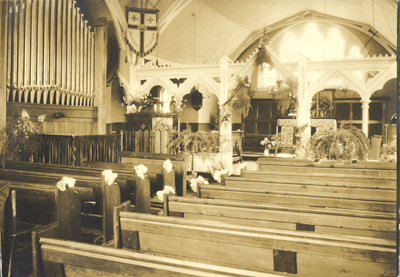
(347, 143)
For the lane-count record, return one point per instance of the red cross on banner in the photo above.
(142, 33)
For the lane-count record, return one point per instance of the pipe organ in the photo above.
(50, 57)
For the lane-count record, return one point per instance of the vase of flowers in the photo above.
(267, 145)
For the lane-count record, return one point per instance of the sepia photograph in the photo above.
(209, 138)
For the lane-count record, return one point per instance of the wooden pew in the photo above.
(68, 222)
(322, 179)
(66, 170)
(344, 189)
(150, 159)
(261, 195)
(92, 182)
(330, 221)
(80, 259)
(263, 250)
(381, 169)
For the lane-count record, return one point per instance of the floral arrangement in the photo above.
(167, 165)
(140, 170)
(167, 190)
(65, 183)
(109, 176)
(388, 152)
(141, 100)
(19, 138)
(268, 144)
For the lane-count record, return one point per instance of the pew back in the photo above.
(260, 249)
(257, 195)
(79, 259)
(152, 159)
(331, 221)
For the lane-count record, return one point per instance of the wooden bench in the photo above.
(321, 179)
(260, 194)
(381, 169)
(154, 172)
(259, 249)
(154, 159)
(330, 221)
(66, 258)
(343, 189)
(73, 171)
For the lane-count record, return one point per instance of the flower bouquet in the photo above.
(268, 144)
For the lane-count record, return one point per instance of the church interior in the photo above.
(198, 138)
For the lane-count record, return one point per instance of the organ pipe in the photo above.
(50, 56)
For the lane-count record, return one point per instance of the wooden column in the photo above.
(225, 132)
(365, 116)
(4, 14)
(100, 65)
(303, 108)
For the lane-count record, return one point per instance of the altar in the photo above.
(288, 126)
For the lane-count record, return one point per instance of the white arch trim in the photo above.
(157, 81)
(199, 79)
(335, 73)
(381, 80)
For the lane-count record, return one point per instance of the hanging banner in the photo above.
(142, 33)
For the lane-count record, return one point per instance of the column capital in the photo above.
(365, 103)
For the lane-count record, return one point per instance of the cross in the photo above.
(150, 19)
(134, 18)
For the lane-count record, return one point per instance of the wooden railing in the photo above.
(72, 150)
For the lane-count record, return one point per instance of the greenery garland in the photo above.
(285, 93)
(262, 56)
(240, 99)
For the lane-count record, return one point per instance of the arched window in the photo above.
(317, 41)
